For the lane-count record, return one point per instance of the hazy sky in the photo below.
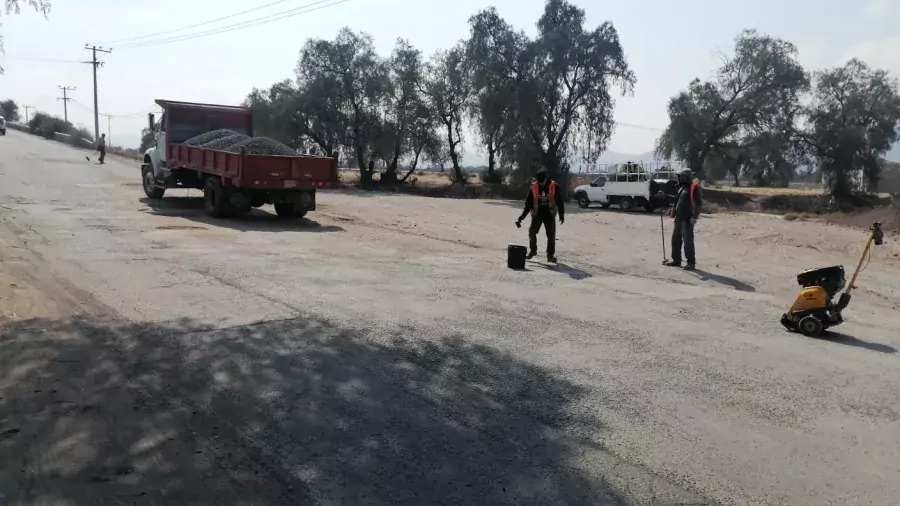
(667, 43)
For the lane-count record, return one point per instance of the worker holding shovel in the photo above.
(101, 147)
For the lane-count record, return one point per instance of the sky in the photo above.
(667, 44)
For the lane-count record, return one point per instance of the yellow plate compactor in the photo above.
(814, 310)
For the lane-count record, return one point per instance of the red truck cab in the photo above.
(232, 183)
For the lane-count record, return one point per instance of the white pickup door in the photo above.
(596, 192)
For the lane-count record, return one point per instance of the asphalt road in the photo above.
(379, 352)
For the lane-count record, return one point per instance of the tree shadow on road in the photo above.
(846, 340)
(289, 412)
(258, 220)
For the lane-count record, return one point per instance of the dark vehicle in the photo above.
(232, 183)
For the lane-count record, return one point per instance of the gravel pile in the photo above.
(225, 142)
(262, 146)
(208, 137)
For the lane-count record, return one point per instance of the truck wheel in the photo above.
(302, 213)
(150, 189)
(583, 201)
(286, 210)
(649, 207)
(626, 204)
(216, 201)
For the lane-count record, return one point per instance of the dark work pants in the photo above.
(102, 154)
(549, 223)
(683, 235)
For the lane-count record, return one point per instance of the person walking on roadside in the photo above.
(101, 147)
(544, 202)
(685, 211)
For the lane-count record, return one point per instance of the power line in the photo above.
(128, 39)
(42, 60)
(239, 26)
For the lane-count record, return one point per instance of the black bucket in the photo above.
(515, 256)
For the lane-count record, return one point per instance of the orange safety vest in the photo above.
(536, 197)
(694, 185)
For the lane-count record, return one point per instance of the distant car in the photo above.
(2, 126)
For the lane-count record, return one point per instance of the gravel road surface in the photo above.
(379, 352)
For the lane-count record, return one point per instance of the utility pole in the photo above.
(94, 63)
(65, 98)
(26, 111)
(108, 129)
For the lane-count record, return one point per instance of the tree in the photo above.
(404, 103)
(9, 110)
(351, 75)
(448, 88)
(148, 139)
(493, 51)
(852, 122)
(15, 7)
(562, 81)
(757, 90)
(423, 139)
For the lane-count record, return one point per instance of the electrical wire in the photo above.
(239, 26)
(195, 25)
(42, 60)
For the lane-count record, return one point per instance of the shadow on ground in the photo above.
(289, 412)
(840, 338)
(723, 280)
(573, 272)
(259, 220)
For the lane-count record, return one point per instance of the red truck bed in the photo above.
(262, 172)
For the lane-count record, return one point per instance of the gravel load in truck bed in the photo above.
(262, 146)
(225, 142)
(208, 137)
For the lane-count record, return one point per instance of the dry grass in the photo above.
(767, 191)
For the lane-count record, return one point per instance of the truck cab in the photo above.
(181, 121)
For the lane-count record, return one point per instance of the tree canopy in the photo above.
(852, 122)
(744, 111)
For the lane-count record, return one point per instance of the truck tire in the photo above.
(149, 183)
(302, 213)
(286, 210)
(626, 204)
(216, 200)
(583, 201)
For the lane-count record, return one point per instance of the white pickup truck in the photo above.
(630, 186)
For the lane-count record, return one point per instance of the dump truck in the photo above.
(232, 182)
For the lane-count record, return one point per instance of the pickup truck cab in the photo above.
(630, 186)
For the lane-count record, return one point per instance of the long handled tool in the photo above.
(662, 232)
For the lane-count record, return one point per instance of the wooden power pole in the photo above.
(94, 63)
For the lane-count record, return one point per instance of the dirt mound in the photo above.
(225, 142)
(201, 139)
(262, 146)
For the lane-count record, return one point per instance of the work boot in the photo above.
(551, 259)
(531, 254)
(690, 267)
(673, 263)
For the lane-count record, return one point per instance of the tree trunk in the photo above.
(491, 156)
(457, 170)
(412, 168)
(365, 175)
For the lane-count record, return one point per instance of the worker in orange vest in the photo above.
(544, 202)
(685, 211)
